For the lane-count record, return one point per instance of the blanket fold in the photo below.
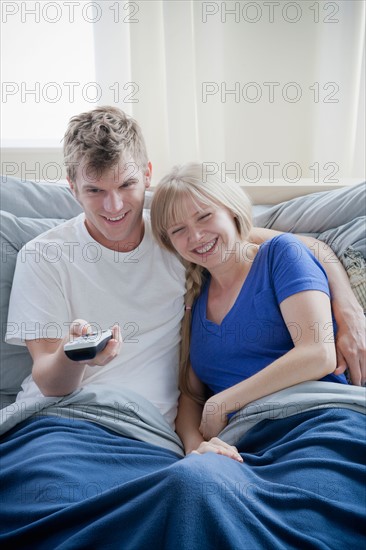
(102, 483)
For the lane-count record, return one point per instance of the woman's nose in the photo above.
(195, 234)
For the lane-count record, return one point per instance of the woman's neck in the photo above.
(235, 269)
(226, 283)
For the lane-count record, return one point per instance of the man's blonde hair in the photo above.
(98, 139)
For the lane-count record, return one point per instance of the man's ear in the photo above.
(148, 175)
(72, 186)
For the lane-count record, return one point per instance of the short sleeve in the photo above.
(37, 304)
(293, 268)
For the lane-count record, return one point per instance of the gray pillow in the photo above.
(27, 209)
(36, 200)
(351, 234)
(15, 361)
(316, 212)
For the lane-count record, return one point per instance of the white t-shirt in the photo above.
(65, 274)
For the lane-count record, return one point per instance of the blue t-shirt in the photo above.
(253, 334)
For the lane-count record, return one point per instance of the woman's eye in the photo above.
(177, 230)
(205, 216)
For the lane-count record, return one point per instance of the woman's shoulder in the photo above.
(284, 244)
(285, 252)
(283, 240)
(287, 256)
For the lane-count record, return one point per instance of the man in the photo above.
(129, 282)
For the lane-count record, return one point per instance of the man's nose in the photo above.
(113, 202)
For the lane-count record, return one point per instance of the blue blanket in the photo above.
(72, 483)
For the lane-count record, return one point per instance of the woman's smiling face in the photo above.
(207, 235)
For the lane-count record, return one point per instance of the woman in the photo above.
(261, 316)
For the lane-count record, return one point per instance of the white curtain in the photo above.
(265, 90)
(262, 89)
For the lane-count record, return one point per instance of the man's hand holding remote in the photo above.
(54, 373)
(81, 328)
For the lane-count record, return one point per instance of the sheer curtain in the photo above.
(262, 90)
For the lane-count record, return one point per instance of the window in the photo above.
(48, 70)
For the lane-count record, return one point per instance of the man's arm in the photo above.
(350, 340)
(57, 375)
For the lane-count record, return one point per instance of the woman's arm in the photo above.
(188, 421)
(309, 321)
(351, 322)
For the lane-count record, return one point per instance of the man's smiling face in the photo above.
(113, 203)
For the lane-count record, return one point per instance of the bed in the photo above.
(103, 469)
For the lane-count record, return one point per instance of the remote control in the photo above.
(88, 346)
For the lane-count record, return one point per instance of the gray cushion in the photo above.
(37, 200)
(316, 212)
(337, 217)
(351, 234)
(15, 361)
(27, 209)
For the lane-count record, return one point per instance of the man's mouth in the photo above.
(115, 219)
(206, 248)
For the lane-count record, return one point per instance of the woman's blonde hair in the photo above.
(168, 209)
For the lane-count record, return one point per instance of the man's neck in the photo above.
(118, 246)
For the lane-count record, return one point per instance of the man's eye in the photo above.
(93, 191)
(128, 183)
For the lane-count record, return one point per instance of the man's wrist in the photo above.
(346, 310)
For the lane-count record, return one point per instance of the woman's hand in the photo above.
(214, 418)
(216, 445)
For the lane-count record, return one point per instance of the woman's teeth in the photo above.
(206, 247)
